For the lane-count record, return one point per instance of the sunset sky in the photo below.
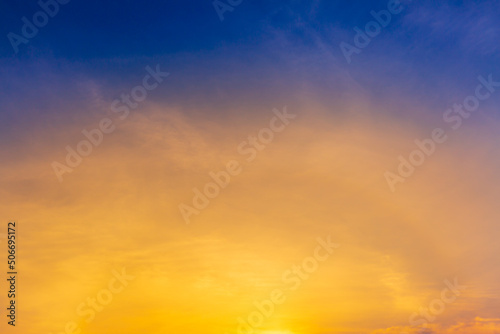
(312, 147)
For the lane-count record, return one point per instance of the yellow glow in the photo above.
(120, 209)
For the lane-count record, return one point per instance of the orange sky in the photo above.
(322, 176)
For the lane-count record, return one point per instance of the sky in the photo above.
(251, 167)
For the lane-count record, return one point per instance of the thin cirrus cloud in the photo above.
(322, 176)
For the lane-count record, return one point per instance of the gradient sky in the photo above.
(322, 176)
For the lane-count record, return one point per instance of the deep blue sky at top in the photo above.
(128, 28)
(433, 49)
(100, 29)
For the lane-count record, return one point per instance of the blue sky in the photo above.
(263, 53)
(104, 39)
